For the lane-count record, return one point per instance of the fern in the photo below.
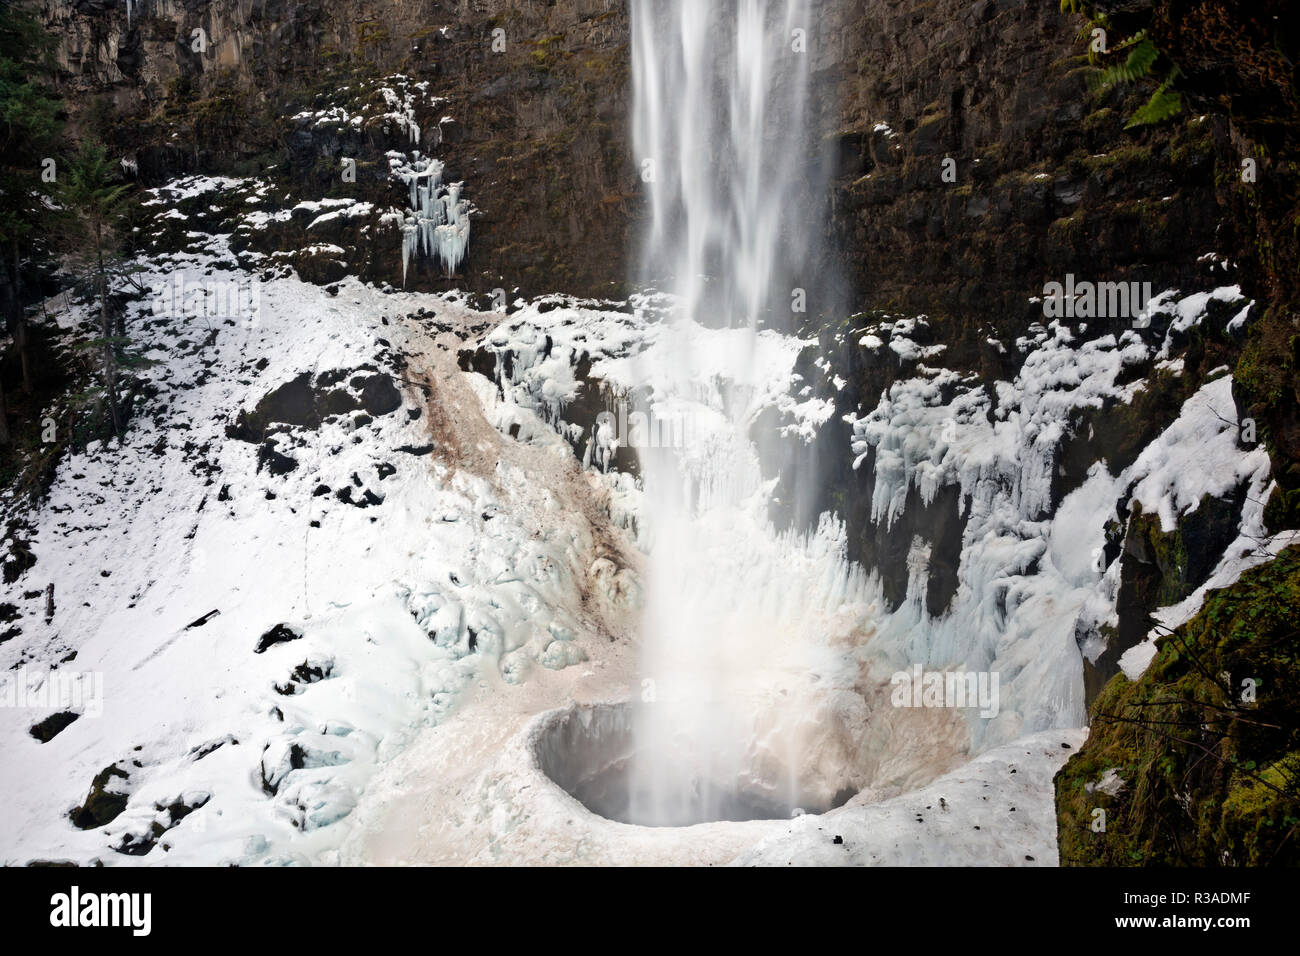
(1163, 104)
(1142, 56)
(1129, 41)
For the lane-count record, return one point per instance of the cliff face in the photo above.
(1044, 182)
(527, 105)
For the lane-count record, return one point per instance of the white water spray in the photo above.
(738, 676)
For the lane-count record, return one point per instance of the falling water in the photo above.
(724, 142)
(720, 122)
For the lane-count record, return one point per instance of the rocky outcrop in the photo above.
(1044, 179)
(1195, 763)
(1157, 569)
(530, 113)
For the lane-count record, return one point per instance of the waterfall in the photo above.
(720, 122)
(732, 657)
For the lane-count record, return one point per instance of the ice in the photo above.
(411, 603)
(437, 219)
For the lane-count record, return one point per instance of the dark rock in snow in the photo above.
(9, 614)
(274, 462)
(102, 805)
(202, 750)
(303, 675)
(280, 634)
(52, 726)
(300, 403)
(140, 844)
(379, 396)
(199, 622)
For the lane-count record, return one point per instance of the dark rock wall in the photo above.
(1047, 180)
(539, 132)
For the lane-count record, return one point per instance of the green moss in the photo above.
(1066, 230)
(1104, 119)
(1210, 774)
(545, 53)
(1193, 152)
(1135, 157)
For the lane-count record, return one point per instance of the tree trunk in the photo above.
(110, 361)
(4, 417)
(106, 331)
(20, 322)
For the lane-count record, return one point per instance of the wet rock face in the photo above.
(537, 96)
(925, 538)
(1158, 569)
(1044, 179)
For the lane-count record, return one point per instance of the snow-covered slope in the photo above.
(365, 565)
(332, 582)
(997, 810)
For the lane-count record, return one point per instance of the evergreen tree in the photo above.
(93, 203)
(29, 131)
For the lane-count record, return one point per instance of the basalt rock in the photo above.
(305, 403)
(52, 726)
(537, 125)
(105, 801)
(1195, 763)
(1157, 569)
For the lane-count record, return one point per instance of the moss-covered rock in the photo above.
(105, 801)
(1198, 761)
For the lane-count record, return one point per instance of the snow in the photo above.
(496, 579)
(1198, 455)
(464, 549)
(997, 810)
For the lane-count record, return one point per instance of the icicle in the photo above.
(437, 222)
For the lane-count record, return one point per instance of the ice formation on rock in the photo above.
(437, 221)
